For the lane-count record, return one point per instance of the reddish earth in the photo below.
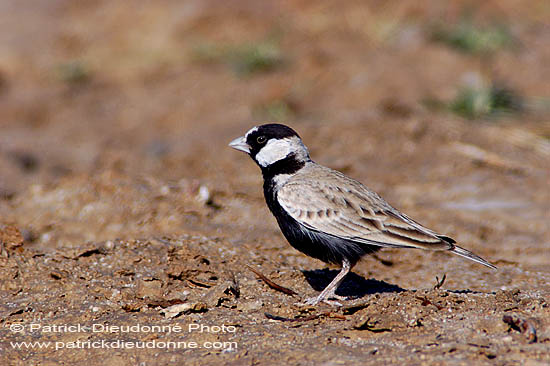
(122, 206)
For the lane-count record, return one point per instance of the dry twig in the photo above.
(439, 283)
(272, 284)
(304, 319)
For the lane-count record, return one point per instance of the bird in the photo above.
(327, 215)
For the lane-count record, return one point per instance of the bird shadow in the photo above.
(354, 285)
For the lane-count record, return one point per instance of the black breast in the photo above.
(326, 247)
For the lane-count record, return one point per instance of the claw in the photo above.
(312, 301)
(332, 302)
(341, 298)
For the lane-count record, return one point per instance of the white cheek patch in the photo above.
(274, 150)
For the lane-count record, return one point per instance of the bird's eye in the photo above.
(261, 140)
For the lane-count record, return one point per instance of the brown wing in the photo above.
(337, 205)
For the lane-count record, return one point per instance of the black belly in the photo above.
(326, 247)
(316, 244)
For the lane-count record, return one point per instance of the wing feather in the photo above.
(345, 208)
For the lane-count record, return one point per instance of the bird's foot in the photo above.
(312, 301)
(329, 291)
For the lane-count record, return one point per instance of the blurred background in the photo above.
(115, 116)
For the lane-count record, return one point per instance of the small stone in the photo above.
(250, 305)
(204, 194)
(175, 310)
(10, 236)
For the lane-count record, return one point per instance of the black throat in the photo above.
(288, 165)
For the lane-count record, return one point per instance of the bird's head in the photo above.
(271, 143)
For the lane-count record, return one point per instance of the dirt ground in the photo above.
(130, 231)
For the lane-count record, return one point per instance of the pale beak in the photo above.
(240, 144)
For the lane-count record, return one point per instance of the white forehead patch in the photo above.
(278, 149)
(252, 130)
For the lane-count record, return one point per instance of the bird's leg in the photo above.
(330, 290)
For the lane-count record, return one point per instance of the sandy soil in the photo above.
(130, 232)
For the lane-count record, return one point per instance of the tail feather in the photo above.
(471, 256)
